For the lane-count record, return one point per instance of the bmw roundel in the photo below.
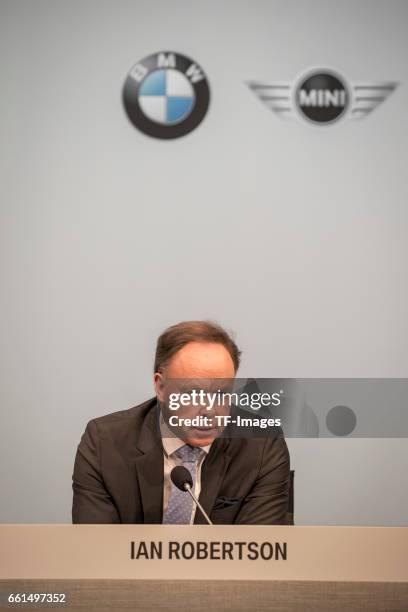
(166, 95)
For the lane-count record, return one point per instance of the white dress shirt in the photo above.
(170, 445)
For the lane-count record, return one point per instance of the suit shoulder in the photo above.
(135, 413)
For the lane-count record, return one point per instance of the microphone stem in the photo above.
(188, 489)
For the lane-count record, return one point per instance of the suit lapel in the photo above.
(149, 468)
(212, 474)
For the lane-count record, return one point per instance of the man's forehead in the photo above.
(201, 360)
(189, 385)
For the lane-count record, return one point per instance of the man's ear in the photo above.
(158, 381)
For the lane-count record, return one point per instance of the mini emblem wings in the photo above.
(364, 97)
(367, 96)
(276, 96)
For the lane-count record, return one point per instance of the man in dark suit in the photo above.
(123, 462)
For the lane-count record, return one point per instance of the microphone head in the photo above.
(181, 476)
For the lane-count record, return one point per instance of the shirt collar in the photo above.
(170, 442)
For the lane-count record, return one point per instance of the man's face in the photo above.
(195, 367)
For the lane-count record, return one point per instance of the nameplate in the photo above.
(200, 552)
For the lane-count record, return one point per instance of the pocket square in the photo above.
(225, 502)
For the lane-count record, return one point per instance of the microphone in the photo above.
(182, 479)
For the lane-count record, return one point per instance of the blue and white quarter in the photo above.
(166, 96)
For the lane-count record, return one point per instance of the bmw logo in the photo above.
(322, 97)
(166, 95)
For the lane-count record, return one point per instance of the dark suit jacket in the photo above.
(118, 474)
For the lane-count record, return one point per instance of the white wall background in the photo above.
(293, 236)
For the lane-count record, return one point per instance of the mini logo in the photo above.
(322, 97)
(166, 95)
